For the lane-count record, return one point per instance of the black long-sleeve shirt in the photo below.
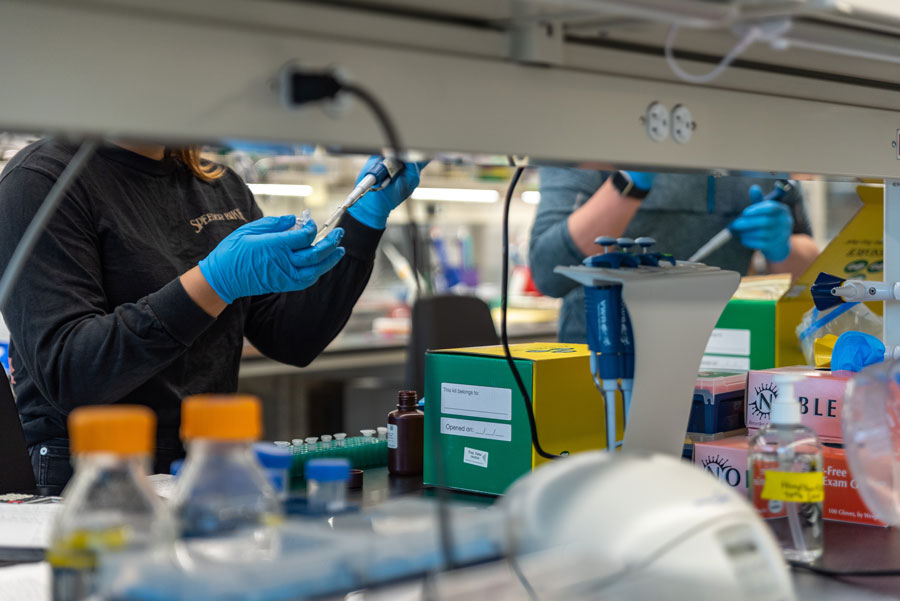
(99, 315)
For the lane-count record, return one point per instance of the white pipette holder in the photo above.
(673, 311)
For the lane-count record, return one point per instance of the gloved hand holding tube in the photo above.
(267, 256)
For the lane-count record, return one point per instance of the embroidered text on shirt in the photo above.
(200, 222)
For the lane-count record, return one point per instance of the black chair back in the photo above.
(446, 321)
(15, 464)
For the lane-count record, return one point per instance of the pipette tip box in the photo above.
(718, 403)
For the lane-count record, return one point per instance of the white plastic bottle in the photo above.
(224, 506)
(787, 485)
(109, 505)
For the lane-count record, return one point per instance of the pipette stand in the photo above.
(673, 312)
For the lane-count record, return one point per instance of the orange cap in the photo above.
(120, 429)
(221, 417)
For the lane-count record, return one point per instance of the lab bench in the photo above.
(847, 546)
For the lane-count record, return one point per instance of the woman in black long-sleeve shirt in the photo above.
(111, 306)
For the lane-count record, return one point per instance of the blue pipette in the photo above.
(603, 334)
(626, 364)
(603, 308)
(377, 177)
(716, 242)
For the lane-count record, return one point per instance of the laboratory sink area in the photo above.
(410, 300)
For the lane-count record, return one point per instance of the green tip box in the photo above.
(475, 419)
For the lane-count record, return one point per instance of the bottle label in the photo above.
(392, 436)
(72, 584)
(792, 487)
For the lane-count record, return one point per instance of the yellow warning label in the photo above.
(793, 487)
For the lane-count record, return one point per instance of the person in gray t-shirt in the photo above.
(681, 212)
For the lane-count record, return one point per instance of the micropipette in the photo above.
(605, 331)
(719, 240)
(376, 178)
(626, 362)
(603, 342)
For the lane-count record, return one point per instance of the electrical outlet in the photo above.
(657, 120)
(682, 124)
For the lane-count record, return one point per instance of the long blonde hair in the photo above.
(190, 157)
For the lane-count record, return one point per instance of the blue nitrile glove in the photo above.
(373, 208)
(643, 180)
(266, 256)
(766, 225)
(856, 350)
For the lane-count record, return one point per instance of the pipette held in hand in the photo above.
(376, 178)
(723, 237)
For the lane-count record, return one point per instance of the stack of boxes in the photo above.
(820, 394)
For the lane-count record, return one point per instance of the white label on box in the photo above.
(476, 401)
(713, 362)
(392, 436)
(475, 457)
(726, 341)
(476, 429)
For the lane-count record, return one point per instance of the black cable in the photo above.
(796, 565)
(512, 556)
(504, 301)
(381, 115)
(42, 217)
(390, 132)
(302, 86)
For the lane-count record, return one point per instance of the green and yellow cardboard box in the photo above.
(476, 426)
(757, 328)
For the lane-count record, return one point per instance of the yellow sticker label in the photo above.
(793, 487)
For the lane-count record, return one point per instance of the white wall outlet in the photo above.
(682, 124)
(657, 121)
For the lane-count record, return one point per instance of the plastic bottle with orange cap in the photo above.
(109, 504)
(225, 508)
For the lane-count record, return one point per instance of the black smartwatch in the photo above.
(623, 184)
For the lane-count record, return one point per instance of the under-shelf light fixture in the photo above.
(301, 190)
(456, 195)
(531, 197)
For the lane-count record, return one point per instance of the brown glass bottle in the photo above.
(406, 432)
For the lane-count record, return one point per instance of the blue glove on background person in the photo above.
(642, 180)
(374, 207)
(266, 256)
(766, 225)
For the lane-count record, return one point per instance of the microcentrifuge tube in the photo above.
(301, 220)
(339, 439)
(326, 440)
(282, 443)
(382, 433)
(368, 434)
(297, 442)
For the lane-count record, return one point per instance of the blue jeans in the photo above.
(52, 464)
